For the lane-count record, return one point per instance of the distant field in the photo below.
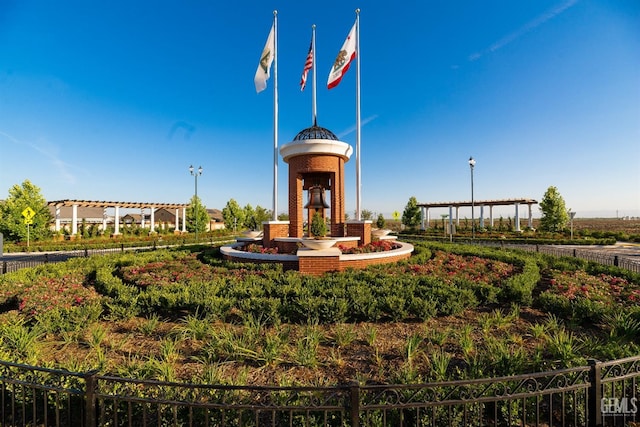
(629, 226)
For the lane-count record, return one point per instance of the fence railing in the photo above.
(8, 266)
(33, 260)
(600, 257)
(601, 393)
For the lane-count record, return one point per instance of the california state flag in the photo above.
(264, 67)
(343, 60)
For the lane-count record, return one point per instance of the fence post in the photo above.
(4, 267)
(90, 418)
(354, 403)
(595, 393)
(615, 260)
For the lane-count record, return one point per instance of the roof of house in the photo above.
(215, 214)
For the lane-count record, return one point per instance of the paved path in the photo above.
(628, 250)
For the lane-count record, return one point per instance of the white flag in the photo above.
(264, 67)
(343, 60)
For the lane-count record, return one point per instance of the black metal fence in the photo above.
(34, 260)
(598, 256)
(597, 394)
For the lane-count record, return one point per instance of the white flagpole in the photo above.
(313, 70)
(275, 116)
(358, 185)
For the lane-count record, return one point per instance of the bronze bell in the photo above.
(316, 198)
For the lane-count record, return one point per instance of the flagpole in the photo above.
(313, 69)
(275, 116)
(358, 185)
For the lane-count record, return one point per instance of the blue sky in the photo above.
(114, 100)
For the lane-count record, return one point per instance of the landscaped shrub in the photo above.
(258, 317)
(586, 298)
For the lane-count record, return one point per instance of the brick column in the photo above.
(295, 204)
(337, 201)
(361, 229)
(273, 229)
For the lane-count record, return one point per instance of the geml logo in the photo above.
(616, 406)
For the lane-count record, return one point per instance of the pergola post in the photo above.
(184, 219)
(74, 219)
(517, 218)
(491, 215)
(57, 218)
(153, 219)
(481, 216)
(116, 220)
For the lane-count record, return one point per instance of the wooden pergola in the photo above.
(75, 204)
(481, 203)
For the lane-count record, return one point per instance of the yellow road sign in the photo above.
(28, 221)
(28, 213)
(396, 215)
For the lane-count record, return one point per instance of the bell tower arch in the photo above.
(316, 161)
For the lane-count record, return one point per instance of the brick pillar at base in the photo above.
(361, 229)
(317, 262)
(273, 229)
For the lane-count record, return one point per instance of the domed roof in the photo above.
(315, 132)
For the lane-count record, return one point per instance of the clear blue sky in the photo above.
(114, 100)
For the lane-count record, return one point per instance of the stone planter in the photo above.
(318, 244)
(252, 234)
(380, 232)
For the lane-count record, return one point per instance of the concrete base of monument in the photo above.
(316, 262)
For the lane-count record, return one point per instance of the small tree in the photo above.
(250, 217)
(380, 222)
(411, 216)
(262, 215)
(366, 215)
(318, 226)
(233, 215)
(12, 224)
(197, 210)
(554, 212)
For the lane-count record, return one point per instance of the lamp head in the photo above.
(191, 169)
(472, 162)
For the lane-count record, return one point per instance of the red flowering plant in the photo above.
(181, 270)
(159, 273)
(49, 293)
(259, 249)
(602, 288)
(375, 246)
(451, 267)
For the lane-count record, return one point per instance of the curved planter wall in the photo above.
(317, 262)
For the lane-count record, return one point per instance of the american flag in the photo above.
(307, 66)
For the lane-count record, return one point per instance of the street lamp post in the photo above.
(472, 163)
(195, 174)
